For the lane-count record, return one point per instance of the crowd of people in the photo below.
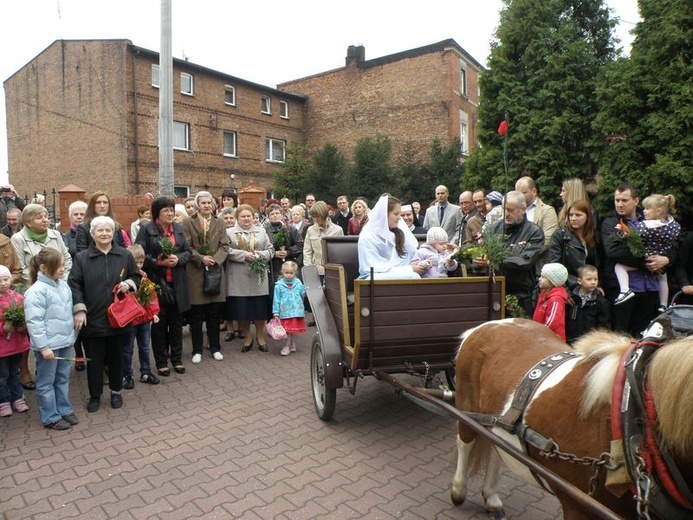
(216, 265)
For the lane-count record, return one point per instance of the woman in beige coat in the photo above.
(210, 247)
(248, 290)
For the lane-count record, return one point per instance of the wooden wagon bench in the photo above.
(365, 327)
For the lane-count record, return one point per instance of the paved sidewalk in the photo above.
(239, 439)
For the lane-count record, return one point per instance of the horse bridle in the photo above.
(658, 483)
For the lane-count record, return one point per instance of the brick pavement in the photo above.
(239, 439)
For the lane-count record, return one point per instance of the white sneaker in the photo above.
(623, 297)
(286, 351)
(197, 358)
(218, 356)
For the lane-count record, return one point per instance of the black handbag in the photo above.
(212, 282)
(166, 293)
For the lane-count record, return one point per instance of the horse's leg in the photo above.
(458, 493)
(492, 502)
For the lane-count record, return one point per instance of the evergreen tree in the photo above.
(543, 69)
(646, 118)
(371, 174)
(444, 167)
(293, 180)
(327, 179)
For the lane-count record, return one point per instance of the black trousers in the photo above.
(167, 337)
(633, 315)
(104, 350)
(210, 313)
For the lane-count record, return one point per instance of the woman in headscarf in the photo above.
(386, 244)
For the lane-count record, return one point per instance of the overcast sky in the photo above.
(267, 42)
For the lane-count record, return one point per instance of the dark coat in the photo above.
(684, 266)
(342, 221)
(582, 318)
(525, 243)
(567, 249)
(149, 237)
(92, 279)
(70, 239)
(83, 239)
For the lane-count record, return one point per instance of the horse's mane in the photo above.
(670, 380)
(605, 349)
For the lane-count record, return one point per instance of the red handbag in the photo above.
(124, 309)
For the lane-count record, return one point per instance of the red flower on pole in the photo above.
(503, 128)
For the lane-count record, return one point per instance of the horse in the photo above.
(571, 407)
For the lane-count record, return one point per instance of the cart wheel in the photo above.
(324, 398)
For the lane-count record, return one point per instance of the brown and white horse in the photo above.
(571, 406)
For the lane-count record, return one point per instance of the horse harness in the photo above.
(656, 478)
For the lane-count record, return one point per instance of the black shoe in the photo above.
(29, 385)
(80, 366)
(93, 404)
(179, 369)
(128, 382)
(150, 378)
(240, 334)
(263, 347)
(229, 336)
(71, 419)
(58, 425)
(247, 348)
(116, 400)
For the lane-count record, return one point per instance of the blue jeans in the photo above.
(10, 383)
(53, 386)
(143, 334)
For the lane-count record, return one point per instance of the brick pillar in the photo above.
(67, 196)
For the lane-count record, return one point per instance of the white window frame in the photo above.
(270, 145)
(284, 109)
(155, 75)
(234, 137)
(181, 127)
(181, 191)
(464, 133)
(463, 80)
(266, 106)
(230, 89)
(189, 77)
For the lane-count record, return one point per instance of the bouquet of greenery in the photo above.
(513, 309)
(281, 239)
(146, 291)
(167, 247)
(631, 238)
(488, 246)
(14, 315)
(205, 249)
(260, 266)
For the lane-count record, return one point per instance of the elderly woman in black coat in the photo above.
(167, 251)
(96, 271)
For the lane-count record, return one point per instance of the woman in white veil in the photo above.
(386, 244)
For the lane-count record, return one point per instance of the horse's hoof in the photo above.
(458, 501)
(496, 514)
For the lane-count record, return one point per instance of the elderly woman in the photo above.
(99, 205)
(386, 244)
(248, 289)
(35, 235)
(356, 223)
(97, 270)
(322, 226)
(167, 269)
(210, 247)
(76, 212)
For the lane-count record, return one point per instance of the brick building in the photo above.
(86, 112)
(413, 97)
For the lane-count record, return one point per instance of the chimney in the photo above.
(356, 54)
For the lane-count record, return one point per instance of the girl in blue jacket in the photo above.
(287, 304)
(48, 312)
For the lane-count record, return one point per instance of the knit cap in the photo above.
(555, 273)
(495, 198)
(436, 235)
(5, 272)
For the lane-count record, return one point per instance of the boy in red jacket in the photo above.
(550, 309)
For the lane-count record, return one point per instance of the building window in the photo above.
(284, 110)
(229, 144)
(230, 95)
(464, 133)
(275, 150)
(181, 136)
(181, 192)
(266, 107)
(155, 76)
(186, 84)
(463, 80)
